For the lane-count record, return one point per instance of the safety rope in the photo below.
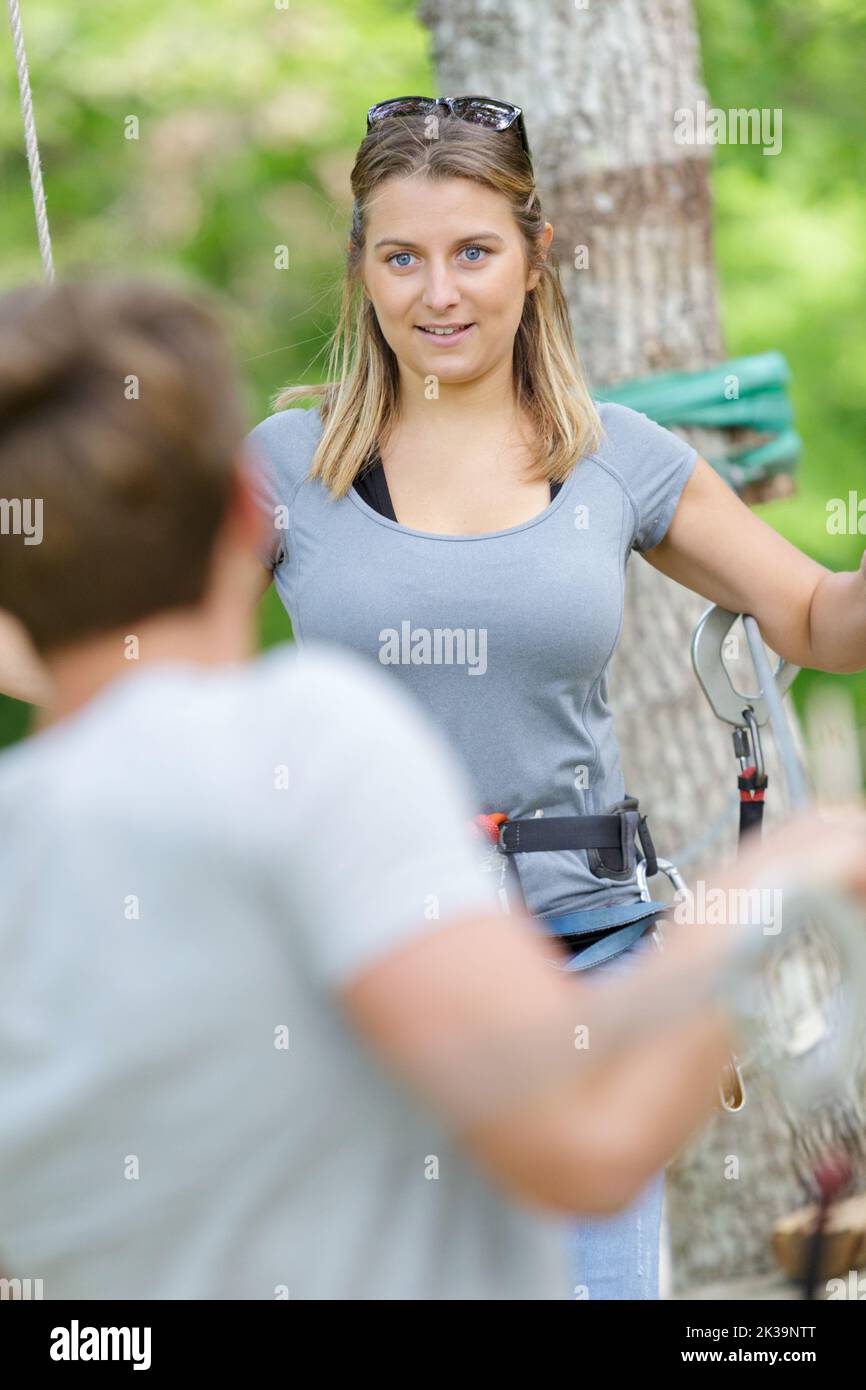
(30, 141)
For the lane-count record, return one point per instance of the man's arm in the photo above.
(476, 1019)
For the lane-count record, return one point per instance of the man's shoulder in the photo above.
(185, 735)
(328, 680)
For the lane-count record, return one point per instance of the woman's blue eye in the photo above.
(394, 258)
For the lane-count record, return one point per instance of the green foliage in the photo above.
(248, 119)
(790, 231)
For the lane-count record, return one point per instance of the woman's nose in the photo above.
(440, 289)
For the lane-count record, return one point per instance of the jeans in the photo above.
(617, 1257)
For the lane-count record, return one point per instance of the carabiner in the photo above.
(732, 1088)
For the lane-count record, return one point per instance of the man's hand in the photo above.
(824, 846)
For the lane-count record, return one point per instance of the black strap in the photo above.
(649, 849)
(372, 485)
(615, 830)
(523, 836)
(532, 833)
(751, 801)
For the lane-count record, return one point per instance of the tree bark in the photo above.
(599, 87)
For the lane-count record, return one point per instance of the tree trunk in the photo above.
(599, 86)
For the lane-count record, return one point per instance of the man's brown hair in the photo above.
(120, 414)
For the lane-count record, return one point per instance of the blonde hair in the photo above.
(360, 403)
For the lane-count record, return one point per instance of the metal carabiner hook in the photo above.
(757, 748)
(732, 1088)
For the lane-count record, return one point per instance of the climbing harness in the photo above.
(610, 843)
(609, 840)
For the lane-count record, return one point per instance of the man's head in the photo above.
(121, 427)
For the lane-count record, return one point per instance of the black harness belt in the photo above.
(609, 838)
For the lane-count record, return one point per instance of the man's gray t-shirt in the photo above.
(505, 638)
(194, 866)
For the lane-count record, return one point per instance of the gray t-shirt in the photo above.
(193, 865)
(505, 638)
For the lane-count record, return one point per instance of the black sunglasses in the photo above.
(496, 115)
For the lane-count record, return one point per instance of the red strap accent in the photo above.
(489, 824)
(748, 793)
(832, 1174)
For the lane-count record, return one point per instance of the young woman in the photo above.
(457, 507)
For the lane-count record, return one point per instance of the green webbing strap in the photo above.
(743, 392)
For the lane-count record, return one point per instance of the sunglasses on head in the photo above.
(496, 115)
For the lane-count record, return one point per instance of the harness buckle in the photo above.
(651, 865)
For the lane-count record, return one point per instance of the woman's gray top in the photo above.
(506, 637)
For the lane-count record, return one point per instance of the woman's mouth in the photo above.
(444, 334)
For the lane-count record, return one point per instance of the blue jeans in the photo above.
(616, 1257)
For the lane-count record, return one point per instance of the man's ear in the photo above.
(245, 515)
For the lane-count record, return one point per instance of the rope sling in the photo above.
(740, 393)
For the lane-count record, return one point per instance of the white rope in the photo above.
(30, 141)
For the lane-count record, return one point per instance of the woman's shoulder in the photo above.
(651, 463)
(619, 423)
(627, 433)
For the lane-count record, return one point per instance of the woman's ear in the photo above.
(544, 240)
